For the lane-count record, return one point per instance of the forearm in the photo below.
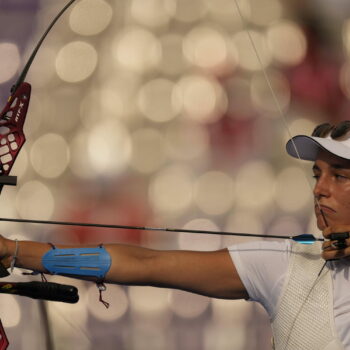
(128, 263)
(28, 255)
(207, 273)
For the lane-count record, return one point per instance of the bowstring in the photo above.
(284, 119)
(278, 105)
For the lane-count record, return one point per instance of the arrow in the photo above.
(303, 238)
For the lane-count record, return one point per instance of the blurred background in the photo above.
(156, 112)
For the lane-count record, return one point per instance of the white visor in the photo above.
(308, 147)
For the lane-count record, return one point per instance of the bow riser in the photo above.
(12, 119)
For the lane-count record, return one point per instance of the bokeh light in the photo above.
(50, 155)
(35, 200)
(10, 61)
(206, 47)
(214, 192)
(155, 100)
(255, 183)
(287, 42)
(90, 17)
(109, 148)
(200, 242)
(76, 61)
(201, 98)
(151, 13)
(137, 49)
(170, 190)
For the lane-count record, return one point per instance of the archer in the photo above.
(307, 300)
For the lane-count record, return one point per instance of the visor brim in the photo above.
(308, 147)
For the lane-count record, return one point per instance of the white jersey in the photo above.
(262, 267)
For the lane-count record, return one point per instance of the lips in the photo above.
(325, 209)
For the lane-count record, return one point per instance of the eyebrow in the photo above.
(333, 166)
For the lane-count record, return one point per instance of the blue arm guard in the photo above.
(92, 262)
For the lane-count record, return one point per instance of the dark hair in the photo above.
(335, 131)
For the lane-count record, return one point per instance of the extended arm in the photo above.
(207, 273)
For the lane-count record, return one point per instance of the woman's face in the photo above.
(332, 190)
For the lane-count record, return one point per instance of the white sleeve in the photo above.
(262, 267)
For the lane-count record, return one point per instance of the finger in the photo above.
(335, 229)
(328, 246)
(6, 262)
(331, 253)
(334, 254)
(336, 244)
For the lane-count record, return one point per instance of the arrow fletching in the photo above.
(305, 239)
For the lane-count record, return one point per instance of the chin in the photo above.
(321, 225)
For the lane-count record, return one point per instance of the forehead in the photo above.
(325, 158)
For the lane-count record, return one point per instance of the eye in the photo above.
(340, 177)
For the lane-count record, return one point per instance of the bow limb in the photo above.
(12, 138)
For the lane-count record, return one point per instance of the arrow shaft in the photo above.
(145, 228)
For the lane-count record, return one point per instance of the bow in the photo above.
(12, 119)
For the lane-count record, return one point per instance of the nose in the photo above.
(322, 187)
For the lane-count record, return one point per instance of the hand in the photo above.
(330, 249)
(6, 251)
